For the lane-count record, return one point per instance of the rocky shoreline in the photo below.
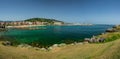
(114, 29)
(8, 43)
(86, 41)
(93, 39)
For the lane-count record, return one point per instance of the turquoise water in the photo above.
(54, 34)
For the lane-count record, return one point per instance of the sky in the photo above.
(76, 11)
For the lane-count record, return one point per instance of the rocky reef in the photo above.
(114, 29)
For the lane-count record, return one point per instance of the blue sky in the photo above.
(82, 11)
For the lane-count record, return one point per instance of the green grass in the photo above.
(110, 36)
(108, 50)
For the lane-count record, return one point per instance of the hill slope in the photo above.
(108, 50)
(42, 20)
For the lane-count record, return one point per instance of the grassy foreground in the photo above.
(109, 50)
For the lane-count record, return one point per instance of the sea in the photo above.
(49, 35)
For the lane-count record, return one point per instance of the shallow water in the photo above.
(54, 34)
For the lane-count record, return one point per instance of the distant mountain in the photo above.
(42, 20)
(35, 21)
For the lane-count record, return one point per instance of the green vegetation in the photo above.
(109, 50)
(113, 37)
(42, 20)
(110, 36)
(48, 21)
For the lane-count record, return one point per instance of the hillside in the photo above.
(42, 20)
(108, 50)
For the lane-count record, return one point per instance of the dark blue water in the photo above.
(54, 34)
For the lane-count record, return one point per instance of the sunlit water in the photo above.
(53, 34)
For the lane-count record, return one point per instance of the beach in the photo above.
(23, 26)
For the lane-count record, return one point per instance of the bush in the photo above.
(112, 37)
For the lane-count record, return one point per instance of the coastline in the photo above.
(24, 26)
(83, 50)
(79, 51)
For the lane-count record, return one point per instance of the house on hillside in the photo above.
(2, 23)
(58, 23)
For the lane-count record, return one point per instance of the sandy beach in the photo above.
(23, 26)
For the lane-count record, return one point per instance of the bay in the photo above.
(53, 34)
